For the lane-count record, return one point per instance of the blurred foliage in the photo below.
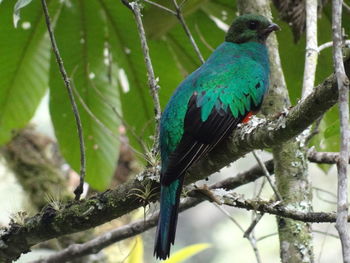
(81, 39)
(137, 250)
(101, 50)
(187, 252)
(136, 254)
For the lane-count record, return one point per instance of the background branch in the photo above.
(79, 190)
(187, 30)
(342, 164)
(311, 53)
(98, 243)
(152, 81)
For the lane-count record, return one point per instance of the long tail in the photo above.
(169, 209)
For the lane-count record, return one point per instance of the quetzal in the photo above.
(205, 109)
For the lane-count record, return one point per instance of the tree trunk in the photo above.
(291, 169)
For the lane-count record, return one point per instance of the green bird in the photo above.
(206, 107)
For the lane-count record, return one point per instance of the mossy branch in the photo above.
(84, 214)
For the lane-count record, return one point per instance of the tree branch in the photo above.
(152, 81)
(98, 243)
(81, 215)
(267, 175)
(311, 54)
(79, 190)
(187, 30)
(342, 164)
(323, 157)
(330, 44)
(121, 233)
(279, 210)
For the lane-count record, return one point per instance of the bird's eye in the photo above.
(253, 25)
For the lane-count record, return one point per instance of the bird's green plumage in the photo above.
(230, 73)
(206, 107)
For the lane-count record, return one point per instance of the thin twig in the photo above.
(161, 7)
(319, 190)
(314, 231)
(323, 243)
(253, 243)
(79, 190)
(258, 217)
(266, 236)
(330, 44)
(253, 224)
(314, 130)
(251, 238)
(325, 233)
(152, 81)
(187, 30)
(182, 3)
(203, 39)
(267, 175)
(346, 7)
(223, 210)
(342, 164)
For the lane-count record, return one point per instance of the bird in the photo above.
(205, 109)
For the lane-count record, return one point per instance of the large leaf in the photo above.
(187, 252)
(126, 52)
(24, 63)
(80, 33)
(136, 254)
(158, 22)
(164, 66)
(206, 34)
(17, 9)
(137, 104)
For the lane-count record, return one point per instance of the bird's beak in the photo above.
(271, 27)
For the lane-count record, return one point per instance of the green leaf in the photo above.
(163, 63)
(187, 252)
(137, 104)
(206, 34)
(222, 9)
(159, 22)
(126, 53)
(16, 12)
(332, 130)
(81, 40)
(24, 63)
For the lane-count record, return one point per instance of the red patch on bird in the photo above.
(247, 117)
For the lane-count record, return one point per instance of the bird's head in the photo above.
(251, 27)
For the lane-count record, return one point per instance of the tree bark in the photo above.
(291, 169)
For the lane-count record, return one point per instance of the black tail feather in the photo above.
(167, 222)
